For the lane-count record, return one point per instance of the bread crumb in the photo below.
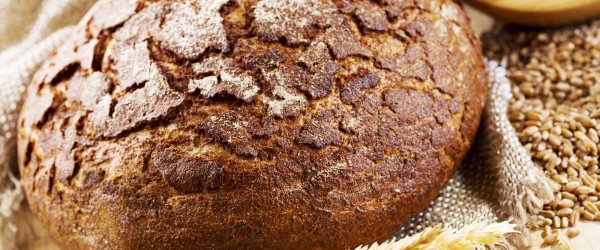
(411, 64)
(290, 105)
(108, 14)
(189, 33)
(371, 16)
(205, 85)
(240, 84)
(233, 80)
(88, 90)
(133, 64)
(322, 67)
(291, 19)
(152, 101)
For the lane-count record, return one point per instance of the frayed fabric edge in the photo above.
(535, 189)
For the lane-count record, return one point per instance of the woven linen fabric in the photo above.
(497, 180)
(29, 31)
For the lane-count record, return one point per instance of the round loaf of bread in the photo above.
(200, 124)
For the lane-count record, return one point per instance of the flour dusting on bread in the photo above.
(188, 32)
(225, 124)
(293, 20)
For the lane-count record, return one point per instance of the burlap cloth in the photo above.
(496, 182)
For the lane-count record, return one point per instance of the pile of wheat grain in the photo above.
(555, 77)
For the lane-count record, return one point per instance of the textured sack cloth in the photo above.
(29, 31)
(496, 182)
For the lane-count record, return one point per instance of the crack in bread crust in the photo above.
(228, 124)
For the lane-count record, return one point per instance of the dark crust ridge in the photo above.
(314, 124)
(187, 173)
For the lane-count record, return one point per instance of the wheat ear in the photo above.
(477, 235)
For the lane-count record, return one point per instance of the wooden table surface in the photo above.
(589, 238)
(540, 12)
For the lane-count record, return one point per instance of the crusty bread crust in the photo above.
(297, 124)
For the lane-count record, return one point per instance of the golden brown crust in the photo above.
(243, 124)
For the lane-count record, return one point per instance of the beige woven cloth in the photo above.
(497, 181)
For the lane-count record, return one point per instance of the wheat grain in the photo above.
(569, 196)
(555, 110)
(584, 190)
(565, 222)
(566, 203)
(564, 212)
(551, 238)
(572, 232)
(587, 215)
(590, 207)
(574, 218)
(571, 186)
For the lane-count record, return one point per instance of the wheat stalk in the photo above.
(477, 235)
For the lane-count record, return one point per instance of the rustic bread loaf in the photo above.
(249, 124)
